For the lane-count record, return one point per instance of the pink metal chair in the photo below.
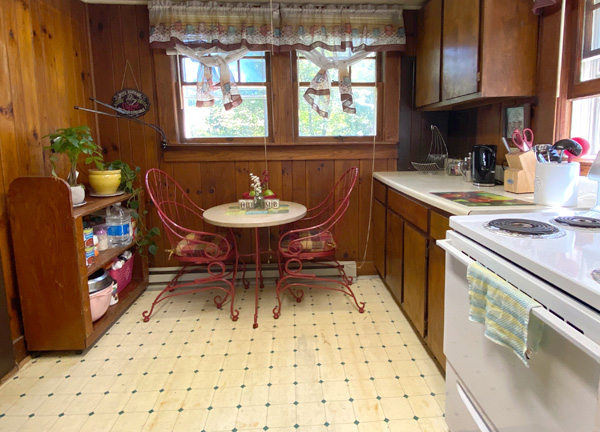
(314, 242)
(193, 248)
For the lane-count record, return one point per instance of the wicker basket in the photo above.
(123, 275)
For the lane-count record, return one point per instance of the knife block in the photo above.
(520, 175)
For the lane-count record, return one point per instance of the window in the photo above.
(340, 124)
(248, 120)
(585, 121)
(590, 55)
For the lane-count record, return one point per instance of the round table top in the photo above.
(218, 216)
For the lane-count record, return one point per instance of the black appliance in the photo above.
(483, 164)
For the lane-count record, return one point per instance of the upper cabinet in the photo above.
(429, 50)
(472, 50)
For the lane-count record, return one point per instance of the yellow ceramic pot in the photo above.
(105, 182)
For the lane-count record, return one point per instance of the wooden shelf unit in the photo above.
(52, 276)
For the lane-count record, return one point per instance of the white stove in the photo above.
(558, 265)
(565, 257)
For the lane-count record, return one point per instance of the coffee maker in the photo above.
(483, 165)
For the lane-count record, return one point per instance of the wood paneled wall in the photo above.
(44, 71)
(303, 173)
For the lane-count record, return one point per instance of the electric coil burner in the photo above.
(523, 228)
(579, 221)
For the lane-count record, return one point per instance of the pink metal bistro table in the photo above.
(223, 215)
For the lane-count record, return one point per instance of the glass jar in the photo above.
(259, 202)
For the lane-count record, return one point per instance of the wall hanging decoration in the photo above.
(132, 101)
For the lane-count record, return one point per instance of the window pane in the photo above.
(253, 70)
(190, 69)
(364, 71)
(306, 70)
(585, 121)
(246, 120)
(339, 123)
(590, 63)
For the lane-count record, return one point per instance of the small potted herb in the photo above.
(73, 142)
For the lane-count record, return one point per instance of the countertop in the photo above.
(418, 185)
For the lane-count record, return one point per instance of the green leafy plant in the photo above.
(73, 142)
(130, 184)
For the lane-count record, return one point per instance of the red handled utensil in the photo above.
(523, 139)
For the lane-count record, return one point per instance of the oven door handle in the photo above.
(561, 327)
(447, 246)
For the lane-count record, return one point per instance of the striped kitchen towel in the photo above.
(504, 311)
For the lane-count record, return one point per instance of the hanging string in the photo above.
(128, 66)
(364, 258)
(271, 117)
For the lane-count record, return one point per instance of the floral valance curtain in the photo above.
(276, 27)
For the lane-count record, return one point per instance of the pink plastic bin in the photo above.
(123, 275)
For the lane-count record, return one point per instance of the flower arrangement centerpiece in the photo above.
(260, 195)
(259, 201)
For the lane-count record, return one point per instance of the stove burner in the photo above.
(579, 221)
(596, 275)
(524, 226)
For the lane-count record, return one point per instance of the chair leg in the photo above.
(345, 278)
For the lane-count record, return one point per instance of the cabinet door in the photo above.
(415, 273)
(435, 302)
(394, 252)
(429, 50)
(460, 41)
(378, 227)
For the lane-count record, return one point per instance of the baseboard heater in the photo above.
(159, 277)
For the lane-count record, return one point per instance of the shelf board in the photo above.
(106, 256)
(95, 204)
(126, 298)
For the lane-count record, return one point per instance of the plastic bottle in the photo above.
(119, 226)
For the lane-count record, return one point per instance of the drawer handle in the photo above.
(472, 410)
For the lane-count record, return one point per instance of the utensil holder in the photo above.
(520, 176)
(556, 184)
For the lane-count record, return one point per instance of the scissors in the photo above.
(523, 139)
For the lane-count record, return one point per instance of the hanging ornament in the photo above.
(131, 102)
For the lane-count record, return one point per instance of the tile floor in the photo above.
(321, 367)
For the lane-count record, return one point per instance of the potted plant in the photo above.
(73, 142)
(129, 178)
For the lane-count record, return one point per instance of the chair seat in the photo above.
(311, 241)
(204, 246)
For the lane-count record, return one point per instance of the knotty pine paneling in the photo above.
(44, 71)
(119, 34)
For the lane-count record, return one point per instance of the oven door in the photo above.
(559, 390)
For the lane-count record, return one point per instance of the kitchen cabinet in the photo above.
(415, 277)
(414, 264)
(50, 261)
(394, 254)
(378, 227)
(7, 354)
(429, 48)
(488, 51)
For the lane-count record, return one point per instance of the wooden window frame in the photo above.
(574, 35)
(339, 139)
(226, 140)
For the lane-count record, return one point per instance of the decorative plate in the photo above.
(97, 195)
(80, 204)
(132, 101)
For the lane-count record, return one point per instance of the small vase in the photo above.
(259, 202)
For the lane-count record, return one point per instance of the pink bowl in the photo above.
(99, 302)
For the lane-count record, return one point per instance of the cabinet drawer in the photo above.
(379, 191)
(411, 211)
(438, 225)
